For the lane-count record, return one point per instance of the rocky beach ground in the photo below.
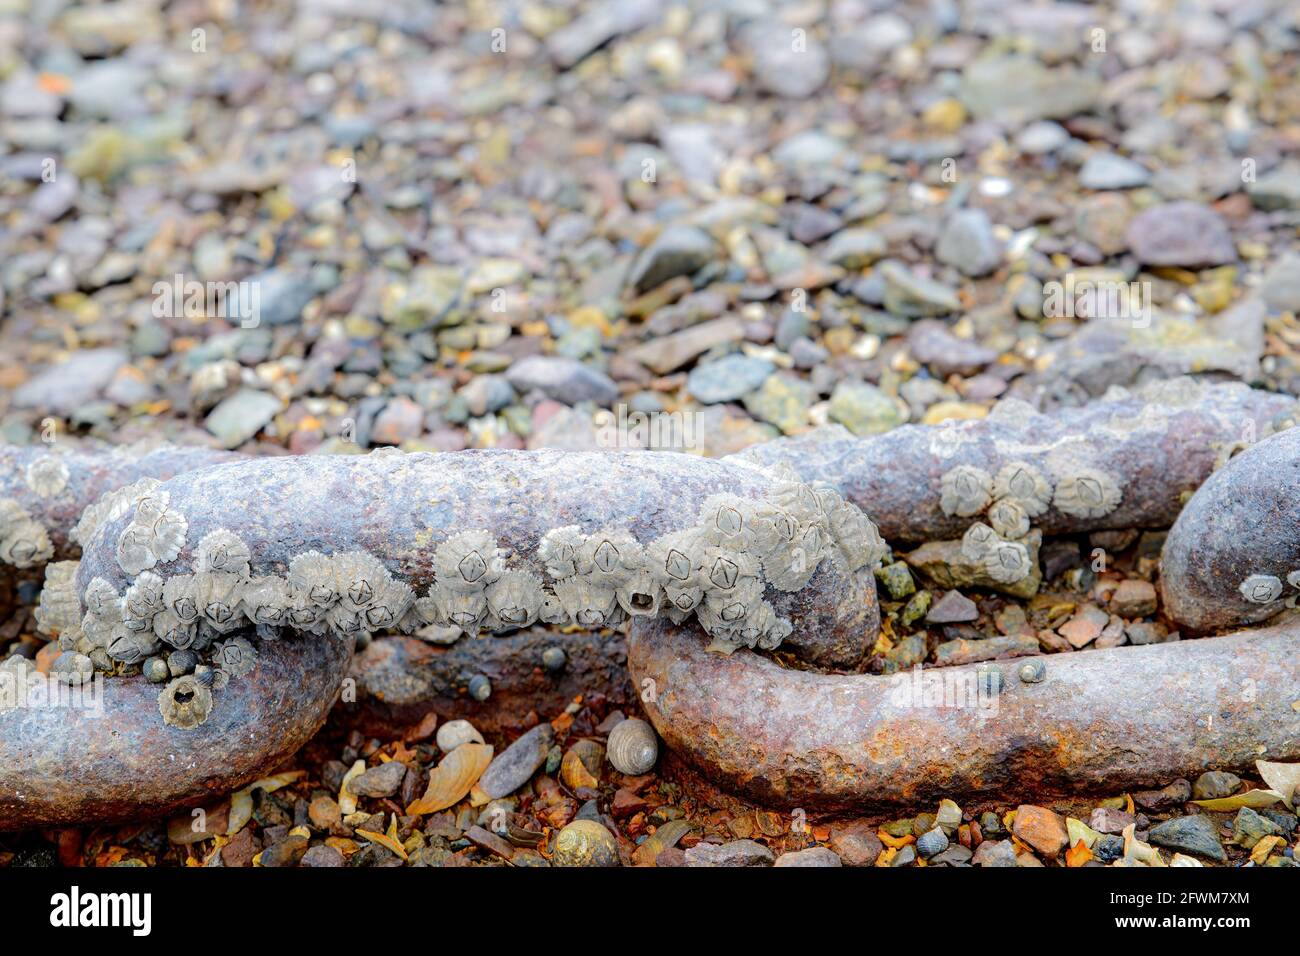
(330, 226)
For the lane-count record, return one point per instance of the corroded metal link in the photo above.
(1112, 719)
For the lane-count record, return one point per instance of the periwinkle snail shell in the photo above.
(633, 747)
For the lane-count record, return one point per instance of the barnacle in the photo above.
(312, 575)
(390, 604)
(725, 521)
(1008, 562)
(559, 550)
(222, 550)
(102, 599)
(220, 595)
(964, 490)
(1008, 518)
(266, 600)
(639, 595)
(856, 536)
(468, 560)
(304, 613)
(1088, 493)
(236, 656)
(587, 603)
(682, 599)
(169, 628)
(429, 609)
(724, 570)
(154, 535)
(515, 598)
(553, 611)
(59, 609)
(774, 530)
(47, 476)
(1293, 578)
(181, 595)
(23, 541)
(978, 540)
(610, 556)
(142, 601)
(674, 557)
(130, 647)
(110, 507)
(185, 703)
(1261, 588)
(1024, 484)
(465, 609)
(731, 606)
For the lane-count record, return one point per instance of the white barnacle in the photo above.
(1087, 493)
(170, 629)
(142, 601)
(774, 530)
(304, 614)
(110, 507)
(978, 540)
(222, 550)
(1024, 484)
(675, 557)
(181, 595)
(1008, 562)
(964, 490)
(391, 602)
(464, 608)
(639, 596)
(560, 550)
(681, 601)
(59, 609)
(1008, 518)
(360, 577)
(312, 575)
(185, 703)
(856, 536)
(610, 555)
(732, 606)
(1292, 578)
(725, 521)
(128, 646)
(102, 599)
(587, 603)
(469, 561)
(1261, 588)
(155, 534)
(429, 609)
(553, 611)
(763, 628)
(266, 600)
(47, 476)
(236, 656)
(725, 570)
(515, 598)
(220, 595)
(24, 542)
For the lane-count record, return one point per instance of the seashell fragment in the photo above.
(1261, 588)
(185, 703)
(1024, 484)
(1088, 493)
(456, 732)
(964, 491)
(633, 747)
(452, 779)
(47, 476)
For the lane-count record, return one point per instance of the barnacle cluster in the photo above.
(24, 543)
(155, 534)
(1009, 500)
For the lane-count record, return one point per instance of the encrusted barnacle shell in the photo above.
(730, 607)
(856, 536)
(553, 611)
(560, 550)
(467, 561)
(683, 600)
(610, 556)
(465, 609)
(155, 536)
(170, 629)
(1088, 493)
(1024, 484)
(102, 600)
(588, 604)
(47, 476)
(130, 647)
(640, 595)
(1008, 518)
(390, 604)
(1261, 588)
(185, 703)
(1008, 562)
(236, 656)
(142, 601)
(1293, 578)
(222, 550)
(266, 600)
(312, 575)
(110, 507)
(59, 609)
(429, 609)
(181, 595)
(978, 540)
(220, 594)
(515, 598)
(633, 747)
(773, 530)
(964, 490)
(675, 557)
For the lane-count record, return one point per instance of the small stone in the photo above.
(735, 853)
(963, 651)
(666, 353)
(487, 840)
(783, 400)
(948, 816)
(904, 857)
(1183, 234)
(1249, 827)
(1104, 170)
(321, 856)
(381, 781)
(856, 844)
(325, 814)
(1085, 626)
(955, 855)
(1214, 784)
(1180, 791)
(564, 379)
(282, 295)
(288, 852)
(968, 245)
(1192, 834)
(953, 608)
(932, 344)
(914, 296)
(995, 853)
(728, 379)
(241, 416)
(782, 67)
(401, 420)
(897, 580)
(1042, 829)
(678, 251)
(1108, 820)
(66, 387)
(513, 767)
(1280, 287)
(1277, 189)
(1148, 632)
(916, 608)
(864, 409)
(932, 842)
(813, 856)
(1134, 598)
(855, 248)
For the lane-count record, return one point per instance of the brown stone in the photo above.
(1134, 598)
(856, 843)
(1041, 828)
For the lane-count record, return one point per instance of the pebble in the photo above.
(781, 66)
(1042, 829)
(512, 768)
(1183, 234)
(915, 296)
(1109, 171)
(735, 853)
(381, 781)
(65, 387)
(967, 243)
(728, 379)
(399, 421)
(953, 608)
(563, 379)
(678, 251)
(1249, 827)
(1214, 784)
(932, 344)
(1194, 834)
(855, 248)
(995, 853)
(321, 855)
(856, 844)
(1134, 598)
(813, 856)
(864, 409)
(897, 580)
(241, 416)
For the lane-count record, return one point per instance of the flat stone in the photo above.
(856, 844)
(512, 768)
(962, 651)
(563, 379)
(1249, 827)
(995, 853)
(728, 379)
(1085, 626)
(1280, 287)
(400, 420)
(813, 856)
(65, 387)
(968, 244)
(953, 608)
(864, 409)
(1214, 784)
(735, 853)
(931, 343)
(1278, 188)
(855, 248)
(1109, 171)
(1018, 89)
(321, 856)
(783, 400)
(381, 781)
(1107, 820)
(915, 296)
(241, 416)
(664, 354)
(1183, 234)
(1134, 598)
(1194, 834)
(1042, 829)
(678, 251)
